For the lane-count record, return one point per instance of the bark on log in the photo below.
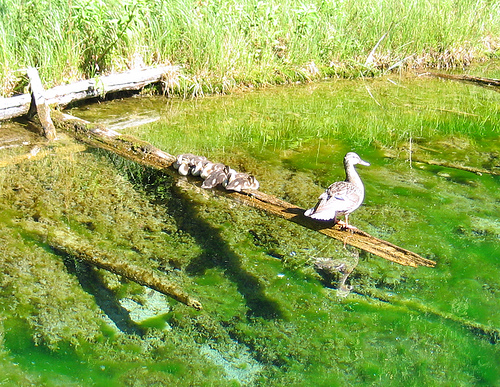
(146, 154)
(356, 237)
(489, 82)
(38, 152)
(92, 88)
(39, 101)
(68, 243)
(391, 154)
(14, 106)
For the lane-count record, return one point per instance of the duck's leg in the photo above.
(345, 225)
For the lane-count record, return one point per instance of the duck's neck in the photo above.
(352, 175)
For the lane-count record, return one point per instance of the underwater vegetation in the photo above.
(269, 317)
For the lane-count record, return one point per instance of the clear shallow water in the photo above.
(268, 317)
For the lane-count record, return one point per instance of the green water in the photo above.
(268, 319)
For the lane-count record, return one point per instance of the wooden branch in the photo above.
(38, 152)
(495, 83)
(390, 154)
(145, 153)
(68, 243)
(126, 146)
(356, 237)
(14, 106)
(42, 109)
(92, 88)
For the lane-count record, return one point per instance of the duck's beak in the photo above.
(365, 163)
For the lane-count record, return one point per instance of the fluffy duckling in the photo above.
(183, 169)
(209, 168)
(189, 163)
(217, 177)
(182, 163)
(241, 181)
(342, 197)
(197, 163)
(182, 159)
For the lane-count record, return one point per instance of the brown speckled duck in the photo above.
(342, 197)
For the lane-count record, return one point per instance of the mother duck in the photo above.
(342, 197)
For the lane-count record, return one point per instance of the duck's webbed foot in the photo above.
(345, 226)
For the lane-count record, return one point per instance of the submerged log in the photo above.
(146, 154)
(451, 165)
(91, 88)
(40, 151)
(488, 332)
(391, 154)
(488, 82)
(355, 237)
(68, 243)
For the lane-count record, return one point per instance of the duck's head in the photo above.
(352, 158)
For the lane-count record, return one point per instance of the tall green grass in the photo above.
(223, 44)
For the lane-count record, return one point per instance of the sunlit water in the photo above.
(433, 187)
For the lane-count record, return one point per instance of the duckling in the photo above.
(184, 169)
(209, 168)
(217, 177)
(231, 173)
(182, 159)
(343, 197)
(241, 181)
(197, 163)
(182, 163)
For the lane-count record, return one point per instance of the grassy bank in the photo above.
(225, 44)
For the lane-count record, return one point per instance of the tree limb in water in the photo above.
(391, 154)
(146, 154)
(69, 243)
(488, 82)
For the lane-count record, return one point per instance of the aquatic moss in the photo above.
(254, 272)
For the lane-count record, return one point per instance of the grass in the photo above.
(227, 44)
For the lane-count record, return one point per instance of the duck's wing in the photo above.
(342, 191)
(340, 197)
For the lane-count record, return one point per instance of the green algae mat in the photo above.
(269, 317)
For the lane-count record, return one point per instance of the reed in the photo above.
(228, 44)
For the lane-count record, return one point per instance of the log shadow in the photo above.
(305, 221)
(106, 299)
(216, 253)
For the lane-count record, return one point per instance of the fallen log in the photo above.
(39, 151)
(91, 88)
(68, 243)
(391, 154)
(355, 237)
(14, 106)
(146, 154)
(39, 104)
(489, 82)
